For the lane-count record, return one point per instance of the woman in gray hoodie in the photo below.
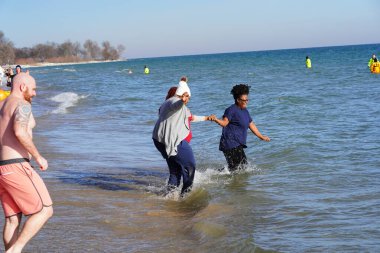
(172, 135)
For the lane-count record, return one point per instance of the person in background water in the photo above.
(375, 66)
(236, 120)
(10, 74)
(146, 70)
(308, 62)
(22, 191)
(371, 61)
(172, 135)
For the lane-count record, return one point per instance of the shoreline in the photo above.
(51, 64)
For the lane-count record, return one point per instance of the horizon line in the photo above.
(263, 50)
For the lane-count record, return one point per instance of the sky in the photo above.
(156, 28)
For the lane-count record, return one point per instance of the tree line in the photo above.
(68, 51)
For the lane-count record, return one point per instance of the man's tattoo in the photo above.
(22, 114)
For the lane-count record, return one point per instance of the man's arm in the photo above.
(23, 113)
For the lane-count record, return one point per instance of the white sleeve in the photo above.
(198, 118)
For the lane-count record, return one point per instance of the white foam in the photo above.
(66, 100)
(202, 180)
(212, 176)
(69, 70)
(129, 71)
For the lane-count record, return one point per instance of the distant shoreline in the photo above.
(50, 64)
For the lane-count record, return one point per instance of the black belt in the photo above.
(16, 160)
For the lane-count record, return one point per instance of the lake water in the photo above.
(314, 188)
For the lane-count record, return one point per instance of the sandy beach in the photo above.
(51, 64)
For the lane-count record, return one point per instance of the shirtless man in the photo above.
(22, 191)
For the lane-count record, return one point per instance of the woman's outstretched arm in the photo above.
(256, 132)
(221, 122)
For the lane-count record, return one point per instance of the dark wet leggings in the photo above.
(235, 158)
(180, 165)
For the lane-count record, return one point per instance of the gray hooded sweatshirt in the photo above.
(172, 125)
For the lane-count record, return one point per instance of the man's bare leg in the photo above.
(11, 230)
(30, 229)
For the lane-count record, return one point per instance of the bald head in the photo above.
(24, 86)
(22, 79)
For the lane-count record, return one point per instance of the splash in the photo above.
(66, 100)
(203, 179)
(213, 175)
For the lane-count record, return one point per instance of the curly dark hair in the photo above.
(240, 89)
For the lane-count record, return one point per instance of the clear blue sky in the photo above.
(150, 28)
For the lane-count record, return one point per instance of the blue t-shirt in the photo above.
(235, 133)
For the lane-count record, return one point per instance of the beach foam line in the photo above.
(49, 64)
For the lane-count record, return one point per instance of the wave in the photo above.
(66, 100)
(69, 70)
(128, 71)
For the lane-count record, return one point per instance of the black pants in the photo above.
(235, 158)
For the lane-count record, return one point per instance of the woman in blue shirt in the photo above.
(236, 120)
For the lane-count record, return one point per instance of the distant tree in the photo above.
(37, 52)
(25, 52)
(66, 49)
(120, 50)
(106, 51)
(42, 52)
(92, 49)
(50, 51)
(109, 52)
(7, 54)
(53, 49)
(77, 50)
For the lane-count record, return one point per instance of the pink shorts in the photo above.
(21, 188)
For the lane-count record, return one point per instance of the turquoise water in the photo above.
(314, 188)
